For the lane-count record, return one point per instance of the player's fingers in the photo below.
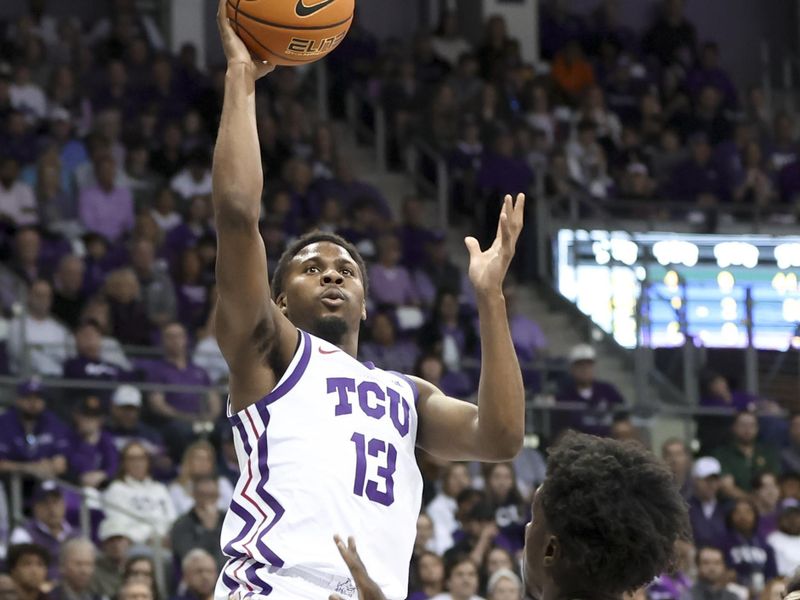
(504, 209)
(506, 236)
(519, 210)
(473, 247)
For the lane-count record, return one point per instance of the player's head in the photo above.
(605, 520)
(320, 284)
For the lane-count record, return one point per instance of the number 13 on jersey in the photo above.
(374, 448)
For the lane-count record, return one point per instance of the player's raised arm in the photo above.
(492, 431)
(250, 329)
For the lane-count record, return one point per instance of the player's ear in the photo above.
(280, 302)
(552, 552)
(364, 310)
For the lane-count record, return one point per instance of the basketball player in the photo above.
(326, 443)
(605, 522)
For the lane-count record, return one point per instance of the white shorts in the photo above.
(294, 587)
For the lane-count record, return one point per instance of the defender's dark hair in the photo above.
(19, 551)
(309, 238)
(615, 510)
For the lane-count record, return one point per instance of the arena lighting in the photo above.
(625, 251)
(787, 255)
(725, 281)
(791, 309)
(736, 253)
(702, 312)
(729, 309)
(601, 254)
(730, 333)
(676, 252)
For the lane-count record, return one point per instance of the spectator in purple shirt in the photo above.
(88, 363)
(192, 291)
(413, 233)
(180, 410)
(708, 72)
(187, 234)
(384, 350)
(707, 512)
(106, 208)
(718, 394)
(746, 551)
(391, 283)
(528, 338)
(93, 457)
(47, 527)
(599, 397)
(129, 320)
(698, 180)
(766, 495)
(32, 439)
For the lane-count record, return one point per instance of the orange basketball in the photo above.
(291, 32)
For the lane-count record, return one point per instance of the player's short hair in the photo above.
(19, 551)
(309, 238)
(615, 510)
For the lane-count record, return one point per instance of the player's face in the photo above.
(323, 287)
(536, 540)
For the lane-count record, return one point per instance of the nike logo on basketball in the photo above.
(306, 11)
(323, 351)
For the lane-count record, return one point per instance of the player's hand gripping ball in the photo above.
(290, 32)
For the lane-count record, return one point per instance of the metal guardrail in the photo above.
(156, 544)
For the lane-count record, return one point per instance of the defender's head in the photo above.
(605, 520)
(320, 284)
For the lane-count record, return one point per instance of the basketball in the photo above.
(291, 32)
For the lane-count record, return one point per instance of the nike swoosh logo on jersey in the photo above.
(306, 11)
(323, 351)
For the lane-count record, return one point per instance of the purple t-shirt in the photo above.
(48, 439)
(187, 402)
(749, 556)
(598, 416)
(391, 285)
(85, 457)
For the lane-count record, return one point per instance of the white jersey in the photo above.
(329, 451)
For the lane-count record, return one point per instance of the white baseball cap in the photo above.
(111, 527)
(127, 395)
(707, 466)
(582, 352)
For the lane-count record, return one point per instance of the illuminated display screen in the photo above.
(694, 285)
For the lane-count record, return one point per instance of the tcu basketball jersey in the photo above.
(330, 450)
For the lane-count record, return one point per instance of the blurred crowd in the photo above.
(633, 120)
(108, 249)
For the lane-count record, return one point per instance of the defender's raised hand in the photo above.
(235, 50)
(487, 269)
(367, 589)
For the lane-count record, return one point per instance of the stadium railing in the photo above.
(90, 498)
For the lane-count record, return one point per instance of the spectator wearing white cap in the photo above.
(706, 511)
(598, 397)
(504, 585)
(126, 425)
(115, 545)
